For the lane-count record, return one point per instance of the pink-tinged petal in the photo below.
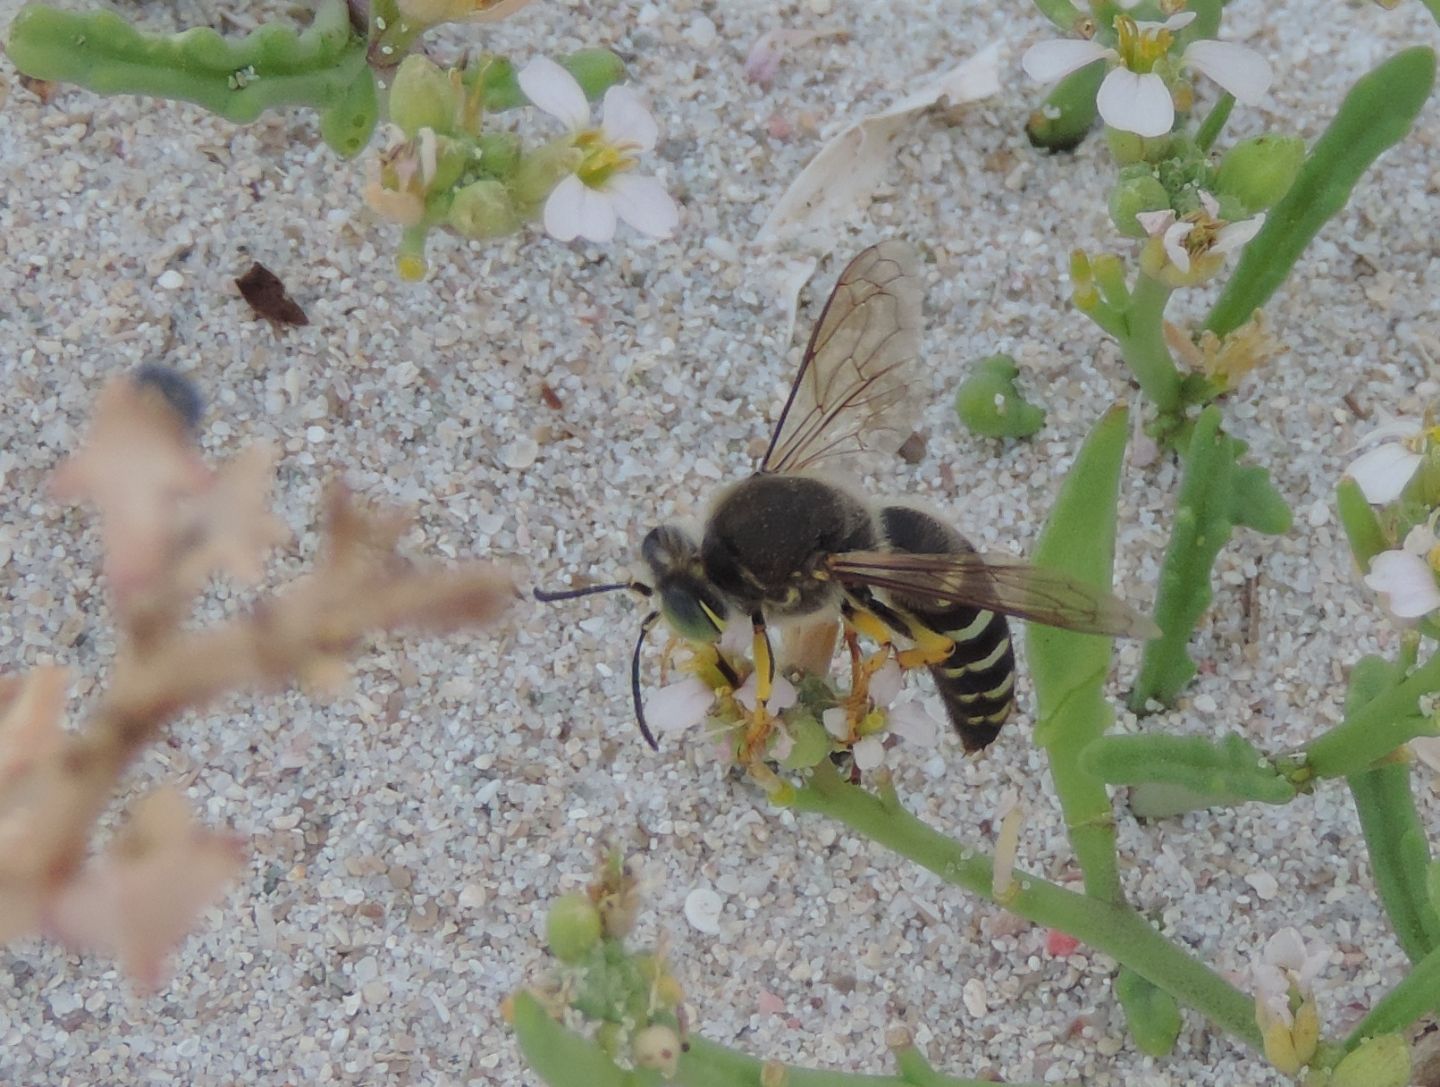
(1383, 472)
(913, 723)
(644, 204)
(781, 745)
(836, 722)
(1048, 61)
(1136, 103)
(869, 753)
(1174, 243)
(885, 683)
(782, 694)
(1155, 223)
(1234, 236)
(736, 639)
(1407, 583)
(625, 120)
(1210, 204)
(555, 91)
(1237, 68)
(679, 706)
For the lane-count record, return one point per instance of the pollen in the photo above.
(1140, 49)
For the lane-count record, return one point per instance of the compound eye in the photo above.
(690, 616)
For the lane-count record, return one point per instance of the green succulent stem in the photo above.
(1117, 930)
(1376, 114)
(563, 1058)
(1142, 343)
(323, 67)
(1214, 122)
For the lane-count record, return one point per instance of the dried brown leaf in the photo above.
(268, 297)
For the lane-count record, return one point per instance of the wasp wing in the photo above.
(852, 391)
(995, 583)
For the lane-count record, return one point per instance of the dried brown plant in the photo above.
(169, 522)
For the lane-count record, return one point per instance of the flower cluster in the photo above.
(1146, 80)
(804, 721)
(1285, 1008)
(453, 170)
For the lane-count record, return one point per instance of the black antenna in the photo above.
(589, 590)
(635, 680)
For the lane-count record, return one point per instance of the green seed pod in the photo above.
(498, 153)
(1260, 170)
(483, 209)
(989, 404)
(1131, 196)
(572, 927)
(1380, 1062)
(422, 96)
(811, 743)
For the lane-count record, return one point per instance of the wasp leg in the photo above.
(931, 647)
(757, 732)
(857, 703)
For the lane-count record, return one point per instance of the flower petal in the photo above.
(624, 119)
(1390, 429)
(1051, 60)
(868, 753)
(1407, 583)
(1175, 235)
(836, 722)
(1155, 223)
(555, 91)
(1136, 103)
(644, 204)
(782, 694)
(1233, 236)
(573, 209)
(679, 706)
(1383, 472)
(1239, 69)
(885, 683)
(913, 723)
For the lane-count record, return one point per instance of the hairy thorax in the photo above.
(768, 537)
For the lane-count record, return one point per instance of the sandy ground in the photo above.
(407, 837)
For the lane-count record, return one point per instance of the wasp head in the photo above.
(690, 604)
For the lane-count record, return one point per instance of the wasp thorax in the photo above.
(767, 541)
(689, 603)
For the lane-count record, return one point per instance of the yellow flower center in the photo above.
(601, 160)
(1140, 49)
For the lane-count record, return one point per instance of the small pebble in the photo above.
(170, 280)
(702, 909)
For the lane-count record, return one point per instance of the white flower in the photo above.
(1383, 472)
(782, 694)
(1285, 964)
(1405, 576)
(602, 188)
(1201, 233)
(1133, 97)
(680, 705)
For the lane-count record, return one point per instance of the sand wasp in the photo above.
(785, 544)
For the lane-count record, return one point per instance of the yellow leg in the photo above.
(870, 626)
(757, 732)
(931, 647)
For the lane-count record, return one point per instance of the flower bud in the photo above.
(572, 927)
(539, 172)
(1260, 170)
(483, 209)
(657, 1047)
(1133, 194)
(422, 96)
(1380, 1062)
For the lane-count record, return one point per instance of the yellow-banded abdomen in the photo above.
(977, 680)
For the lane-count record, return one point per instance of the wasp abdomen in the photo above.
(977, 680)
